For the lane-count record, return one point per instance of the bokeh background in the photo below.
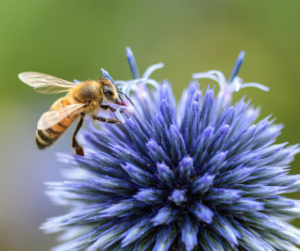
(73, 39)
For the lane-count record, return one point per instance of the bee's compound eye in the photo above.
(107, 90)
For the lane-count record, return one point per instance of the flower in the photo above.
(203, 176)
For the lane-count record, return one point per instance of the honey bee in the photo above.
(83, 99)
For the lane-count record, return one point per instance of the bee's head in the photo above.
(110, 93)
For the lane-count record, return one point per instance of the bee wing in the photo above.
(44, 83)
(51, 118)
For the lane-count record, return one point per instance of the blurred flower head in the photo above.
(202, 176)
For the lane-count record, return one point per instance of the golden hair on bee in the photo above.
(82, 99)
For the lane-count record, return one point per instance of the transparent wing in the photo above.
(51, 118)
(44, 83)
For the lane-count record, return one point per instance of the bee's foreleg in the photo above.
(105, 120)
(105, 107)
(75, 145)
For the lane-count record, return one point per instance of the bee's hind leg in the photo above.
(75, 145)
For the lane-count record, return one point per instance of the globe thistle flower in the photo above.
(202, 176)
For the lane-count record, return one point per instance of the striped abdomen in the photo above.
(45, 138)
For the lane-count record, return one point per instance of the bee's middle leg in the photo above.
(105, 120)
(75, 145)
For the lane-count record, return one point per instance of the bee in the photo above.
(82, 99)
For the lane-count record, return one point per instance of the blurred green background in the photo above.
(73, 39)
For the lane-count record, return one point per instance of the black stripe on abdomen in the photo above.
(43, 139)
(62, 125)
(50, 130)
(43, 136)
(39, 143)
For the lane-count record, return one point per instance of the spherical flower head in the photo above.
(202, 176)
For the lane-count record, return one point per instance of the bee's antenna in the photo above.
(125, 96)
